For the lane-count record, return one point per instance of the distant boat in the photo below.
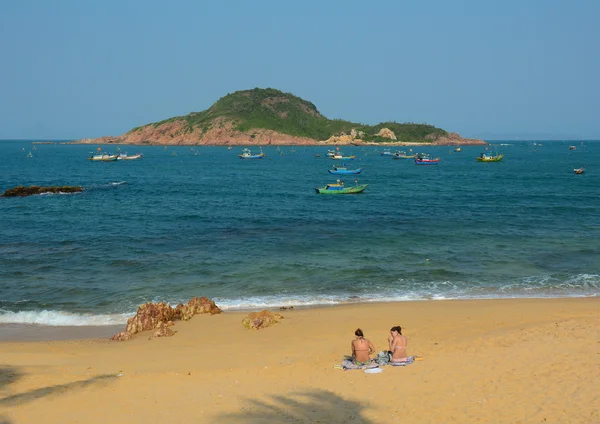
(579, 170)
(403, 155)
(29, 155)
(484, 157)
(572, 147)
(125, 156)
(103, 157)
(247, 154)
(458, 149)
(342, 170)
(425, 159)
(339, 156)
(386, 152)
(174, 154)
(340, 188)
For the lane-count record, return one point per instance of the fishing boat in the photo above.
(340, 188)
(103, 157)
(426, 159)
(458, 149)
(125, 156)
(484, 157)
(339, 156)
(403, 155)
(579, 170)
(330, 153)
(342, 170)
(386, 152)
(247, 154)
(572, 147)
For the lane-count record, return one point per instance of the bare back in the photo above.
(361, 349)
(398, 347)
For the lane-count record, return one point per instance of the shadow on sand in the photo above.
(8, 375)
(302, 407)
(51, 390)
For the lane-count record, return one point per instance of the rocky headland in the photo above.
(271, 117)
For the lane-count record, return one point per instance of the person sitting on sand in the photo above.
(397, 344)
(361, 348)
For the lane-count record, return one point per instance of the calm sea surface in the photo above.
(253, 233)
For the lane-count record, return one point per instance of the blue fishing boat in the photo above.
(342, 170)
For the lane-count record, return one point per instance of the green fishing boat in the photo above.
(340, 188)
(489, 158)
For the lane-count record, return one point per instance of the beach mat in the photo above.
(348, 364)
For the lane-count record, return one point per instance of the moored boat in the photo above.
(103, 157)
(403, 155)
(484, 157)
(579, 170)
(125, 156)
(339, 156)
(386, 152)
(247, 154)
(426, 159)
(340, 188)
(458, 149)
(342, 170)
(572, 147)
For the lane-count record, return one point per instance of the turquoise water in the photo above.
(253, 233)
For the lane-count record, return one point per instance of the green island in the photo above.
(270, 116)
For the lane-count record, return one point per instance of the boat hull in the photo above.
(345, 171)
(427, 161)
(103, 158)
(490, 159)
(251, 156)
(346, 190)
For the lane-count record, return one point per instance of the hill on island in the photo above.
(269, 116)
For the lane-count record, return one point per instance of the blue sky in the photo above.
(483, 68)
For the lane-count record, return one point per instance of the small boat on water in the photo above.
(484, 157)
(342, 170)
(339, 156)
(340, 188)
(403, 155)
(458, 149)
(103, 157)
(579, 170)
(29, 155)
(425, 159)
(247, 154)
(386, 152)
(125, 156)
(572, 147)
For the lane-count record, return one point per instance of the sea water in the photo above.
(252, 234)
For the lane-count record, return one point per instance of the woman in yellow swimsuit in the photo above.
(361, 348)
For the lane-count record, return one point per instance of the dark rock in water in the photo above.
(22, 191)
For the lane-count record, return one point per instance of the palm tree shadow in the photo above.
(300, 407)
(51, 390)
(8, 375)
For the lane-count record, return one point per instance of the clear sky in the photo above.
(483, 68)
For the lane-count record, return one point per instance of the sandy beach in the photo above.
(493, 361)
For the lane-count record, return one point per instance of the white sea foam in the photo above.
(59, 318)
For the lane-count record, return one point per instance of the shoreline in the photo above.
(501, 361)
(27, 332)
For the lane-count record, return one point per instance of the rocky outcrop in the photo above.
(386, 133)
(263, 319)
(452, 139)
(22, 191)
(160, 316)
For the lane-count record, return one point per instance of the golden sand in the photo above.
(492, 361)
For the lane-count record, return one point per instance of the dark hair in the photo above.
(397, 328)
(358, 333)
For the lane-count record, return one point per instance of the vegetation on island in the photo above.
(285, 113)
